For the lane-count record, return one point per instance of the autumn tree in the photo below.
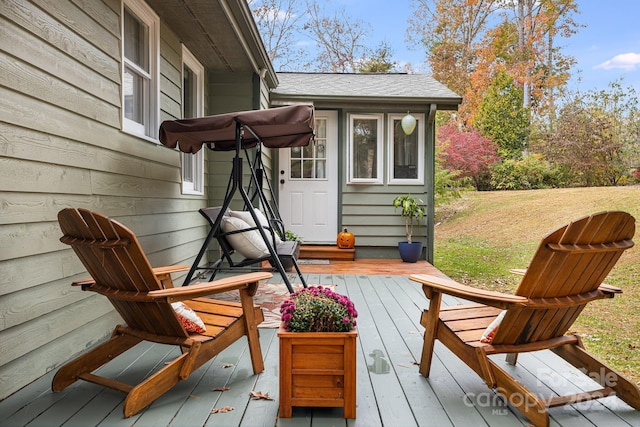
(340, 39)
(494, 57)
(539, 65)
(450, 31)
(596, 137)
(467, 152)
(333, 42)
(278, 21)
(502, 117)
(468, 41)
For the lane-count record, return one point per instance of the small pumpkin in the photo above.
(346, 240)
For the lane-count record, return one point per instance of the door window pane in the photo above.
(309, 162)
(307, 171)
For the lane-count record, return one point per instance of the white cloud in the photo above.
(625, 61)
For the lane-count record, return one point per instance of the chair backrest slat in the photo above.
(573, 260)
(114, 258)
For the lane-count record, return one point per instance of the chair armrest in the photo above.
(610, 289)
(170, 269)
(208, 288)
(160, 272)
(451, 287)
(163, 274)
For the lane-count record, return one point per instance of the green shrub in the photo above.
(529, 173)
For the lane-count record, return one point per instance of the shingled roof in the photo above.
(392, 87)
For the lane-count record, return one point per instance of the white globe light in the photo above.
(408, 124)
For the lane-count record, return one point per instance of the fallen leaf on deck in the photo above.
(222, 410)
(260, 395)
(221, 389)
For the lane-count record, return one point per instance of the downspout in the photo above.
(429, 182)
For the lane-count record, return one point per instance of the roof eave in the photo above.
(443, 103)
(247, 31)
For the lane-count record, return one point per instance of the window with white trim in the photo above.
(140, 69)
(192, 106)
(406, 152)
(365, 149)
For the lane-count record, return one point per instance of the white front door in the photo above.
(308, 183)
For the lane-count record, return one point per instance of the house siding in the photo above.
(227, 93)
(62, 146)
(366, 210)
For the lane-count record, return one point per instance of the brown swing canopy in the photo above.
(275, 128)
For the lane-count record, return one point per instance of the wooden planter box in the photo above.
(317, 369)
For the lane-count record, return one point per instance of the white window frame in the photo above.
(151, 113)
(196, 160)
(379, 148)
(390, 148)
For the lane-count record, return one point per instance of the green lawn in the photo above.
(481, 236)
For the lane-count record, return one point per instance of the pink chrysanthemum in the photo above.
(318, 309)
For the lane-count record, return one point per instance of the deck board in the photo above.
(372, 324)
(419, 394)
(390, 390)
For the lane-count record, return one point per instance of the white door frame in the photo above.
(309, 206)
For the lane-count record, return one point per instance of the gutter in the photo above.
(241, 18)
(282, 99)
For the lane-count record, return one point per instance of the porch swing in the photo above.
(257, 232)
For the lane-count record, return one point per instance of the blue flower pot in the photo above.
(410, 252)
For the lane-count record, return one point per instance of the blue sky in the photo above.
(608, 48)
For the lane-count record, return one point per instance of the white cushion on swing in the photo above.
(262, 219)
(249, 244)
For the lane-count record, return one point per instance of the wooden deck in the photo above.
(390, 390)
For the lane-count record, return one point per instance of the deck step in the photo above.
(330, 252)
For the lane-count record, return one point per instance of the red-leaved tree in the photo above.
(467, 152)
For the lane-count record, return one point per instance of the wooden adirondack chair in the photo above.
(143, 295)
(565, 274)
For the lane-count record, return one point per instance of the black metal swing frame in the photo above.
(253, 196)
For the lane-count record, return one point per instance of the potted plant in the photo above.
(412, 209)
(290, 236)
(318, 351)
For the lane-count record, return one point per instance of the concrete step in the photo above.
(330, 252)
